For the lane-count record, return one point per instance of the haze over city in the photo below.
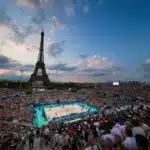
(85, 40)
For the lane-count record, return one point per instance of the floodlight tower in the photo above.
(21, 73)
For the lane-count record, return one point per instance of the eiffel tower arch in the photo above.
(39, 77)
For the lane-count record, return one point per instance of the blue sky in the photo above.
(109, 33)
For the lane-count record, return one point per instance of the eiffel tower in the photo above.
(40, 80)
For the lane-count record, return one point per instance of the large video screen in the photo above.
(115, 83)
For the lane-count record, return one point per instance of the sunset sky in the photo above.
(85, 40)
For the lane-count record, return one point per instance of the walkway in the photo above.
(36, 145)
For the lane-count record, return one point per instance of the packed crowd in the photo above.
(127, 129)
(13, 110)
(119, 95)
(11, 134)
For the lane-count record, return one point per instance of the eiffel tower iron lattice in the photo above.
(40, 65)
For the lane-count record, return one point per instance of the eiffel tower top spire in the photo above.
(41, 52)
(42, 31)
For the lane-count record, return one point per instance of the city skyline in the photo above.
(85, 40)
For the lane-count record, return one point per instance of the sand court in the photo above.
(63, 111)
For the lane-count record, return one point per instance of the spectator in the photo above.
(130, 141)
(31, 140)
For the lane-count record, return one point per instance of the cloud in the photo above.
(14, 36)
(14, 76)
(144, 66)
(20, 51)
(54, 73)
(86, 5)
(35, 3)
(147, 61)
(97, 68)
(30, 29)
(62, 67)
(95, 62)
(67, 4)
(27, 67)
(93, 68)
(57, 23)
(86, 8)
(4, 17)
(54, 25)
(69, 9)
(56, 48)
(90, 67)
(142, 70)
(10, 64)
(10, 69)
(21, 32)
(70, 6)
(83, 56)
(39, 18)
(146, 69)
(2, 43)
(18, 34)
(14, 32)
(100, 2)
(101, 72)
(6, 63)
(98, 74)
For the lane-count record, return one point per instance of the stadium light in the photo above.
(21, 72)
